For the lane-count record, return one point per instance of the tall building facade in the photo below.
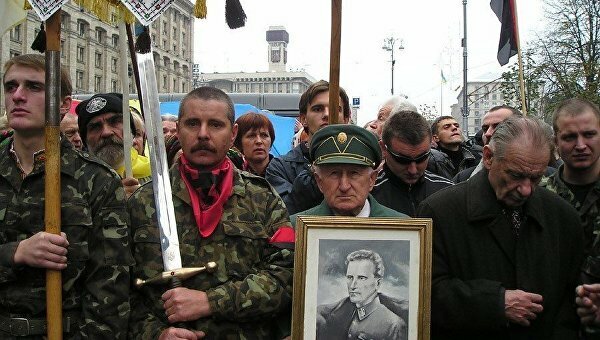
(90, 48)
(482, 95)
(276, 80)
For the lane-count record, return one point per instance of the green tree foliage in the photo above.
(565, 58)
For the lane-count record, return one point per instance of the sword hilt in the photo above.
(176, 275)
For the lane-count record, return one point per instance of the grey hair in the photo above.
(518, 130)
(369, 255)
(399, 103)
(168, 118)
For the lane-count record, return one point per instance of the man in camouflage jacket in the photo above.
(576, 124)
(252, 285)
(93, 251)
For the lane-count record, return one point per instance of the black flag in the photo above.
(505, 11)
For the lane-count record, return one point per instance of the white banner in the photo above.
(146, 11)
(45, 8)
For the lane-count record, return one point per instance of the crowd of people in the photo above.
(516, 253)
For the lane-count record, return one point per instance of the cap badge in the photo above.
(95, 105)
(342, 137)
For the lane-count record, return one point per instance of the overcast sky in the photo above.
(431, 31)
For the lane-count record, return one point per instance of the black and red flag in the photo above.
(506, 12)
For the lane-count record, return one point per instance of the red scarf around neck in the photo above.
(208, 215)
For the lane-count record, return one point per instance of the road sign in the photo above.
(356, 101)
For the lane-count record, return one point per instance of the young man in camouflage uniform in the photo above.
(223, 215)
(92, 252)
(576, 124)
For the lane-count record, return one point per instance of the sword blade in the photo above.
(169, 240)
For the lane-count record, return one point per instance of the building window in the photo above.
(174, 48)
(165, 82)
(494, 96)
(79, 79)
(80, 54)
(114, 86)
(174, 32)
(97, 83)
(98, 59)
(100, 35)
(63, 55)
(81, 28)
(114, 63)
(15, 33)
(477, 123)
(164, 30)
(14, 53)
(115, 40)
(165, 44)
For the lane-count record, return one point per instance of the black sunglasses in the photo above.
(407, 160)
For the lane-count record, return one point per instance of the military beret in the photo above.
(345, 144)
(97, 105)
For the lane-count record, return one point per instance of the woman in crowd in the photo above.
(254, 140)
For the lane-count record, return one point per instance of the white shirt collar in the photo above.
(366, 210)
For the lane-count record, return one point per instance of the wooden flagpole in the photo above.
(334, 61)
(520, 59)
(52, 170)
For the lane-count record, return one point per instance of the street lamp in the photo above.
(388, 45)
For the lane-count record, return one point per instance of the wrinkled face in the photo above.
(516, 175)
(169, 128)
(205, 132)
(69, 128)
(256, 144)
(105, 138)
(24, 99)
(407, 161)
(578, 140)
(448, 133)
(382, 116)
(317, 114)
(491, 121)
(361, 280)
(345, 186)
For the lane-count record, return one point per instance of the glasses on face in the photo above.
(407, 160)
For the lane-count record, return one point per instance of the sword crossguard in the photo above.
(178, 274)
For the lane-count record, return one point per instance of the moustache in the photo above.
(204, 147)
(109, 141)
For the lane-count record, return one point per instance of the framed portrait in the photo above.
(362, 278)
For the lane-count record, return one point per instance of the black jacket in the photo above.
(294, 182)
(476, 258)
(440, 164)
(392, 192)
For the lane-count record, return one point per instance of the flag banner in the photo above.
(505, 11)
(146, 11)
(45, 8)
(12, 14)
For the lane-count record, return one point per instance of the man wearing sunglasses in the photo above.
(404, 181)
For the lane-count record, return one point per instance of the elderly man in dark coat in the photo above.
(506, 254)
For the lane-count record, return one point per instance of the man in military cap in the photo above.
(290, 174)
(223, 215)
(101, 129)
(345, 158)
(92, 252)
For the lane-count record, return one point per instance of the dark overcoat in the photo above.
(476, 258)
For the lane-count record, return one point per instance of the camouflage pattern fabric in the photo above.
(588, 210)
(96, 280)
(253, 283)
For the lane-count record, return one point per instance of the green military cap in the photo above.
(345, 144)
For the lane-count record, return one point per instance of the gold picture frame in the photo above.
(320, 279)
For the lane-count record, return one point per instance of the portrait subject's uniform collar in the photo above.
(366, 310)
